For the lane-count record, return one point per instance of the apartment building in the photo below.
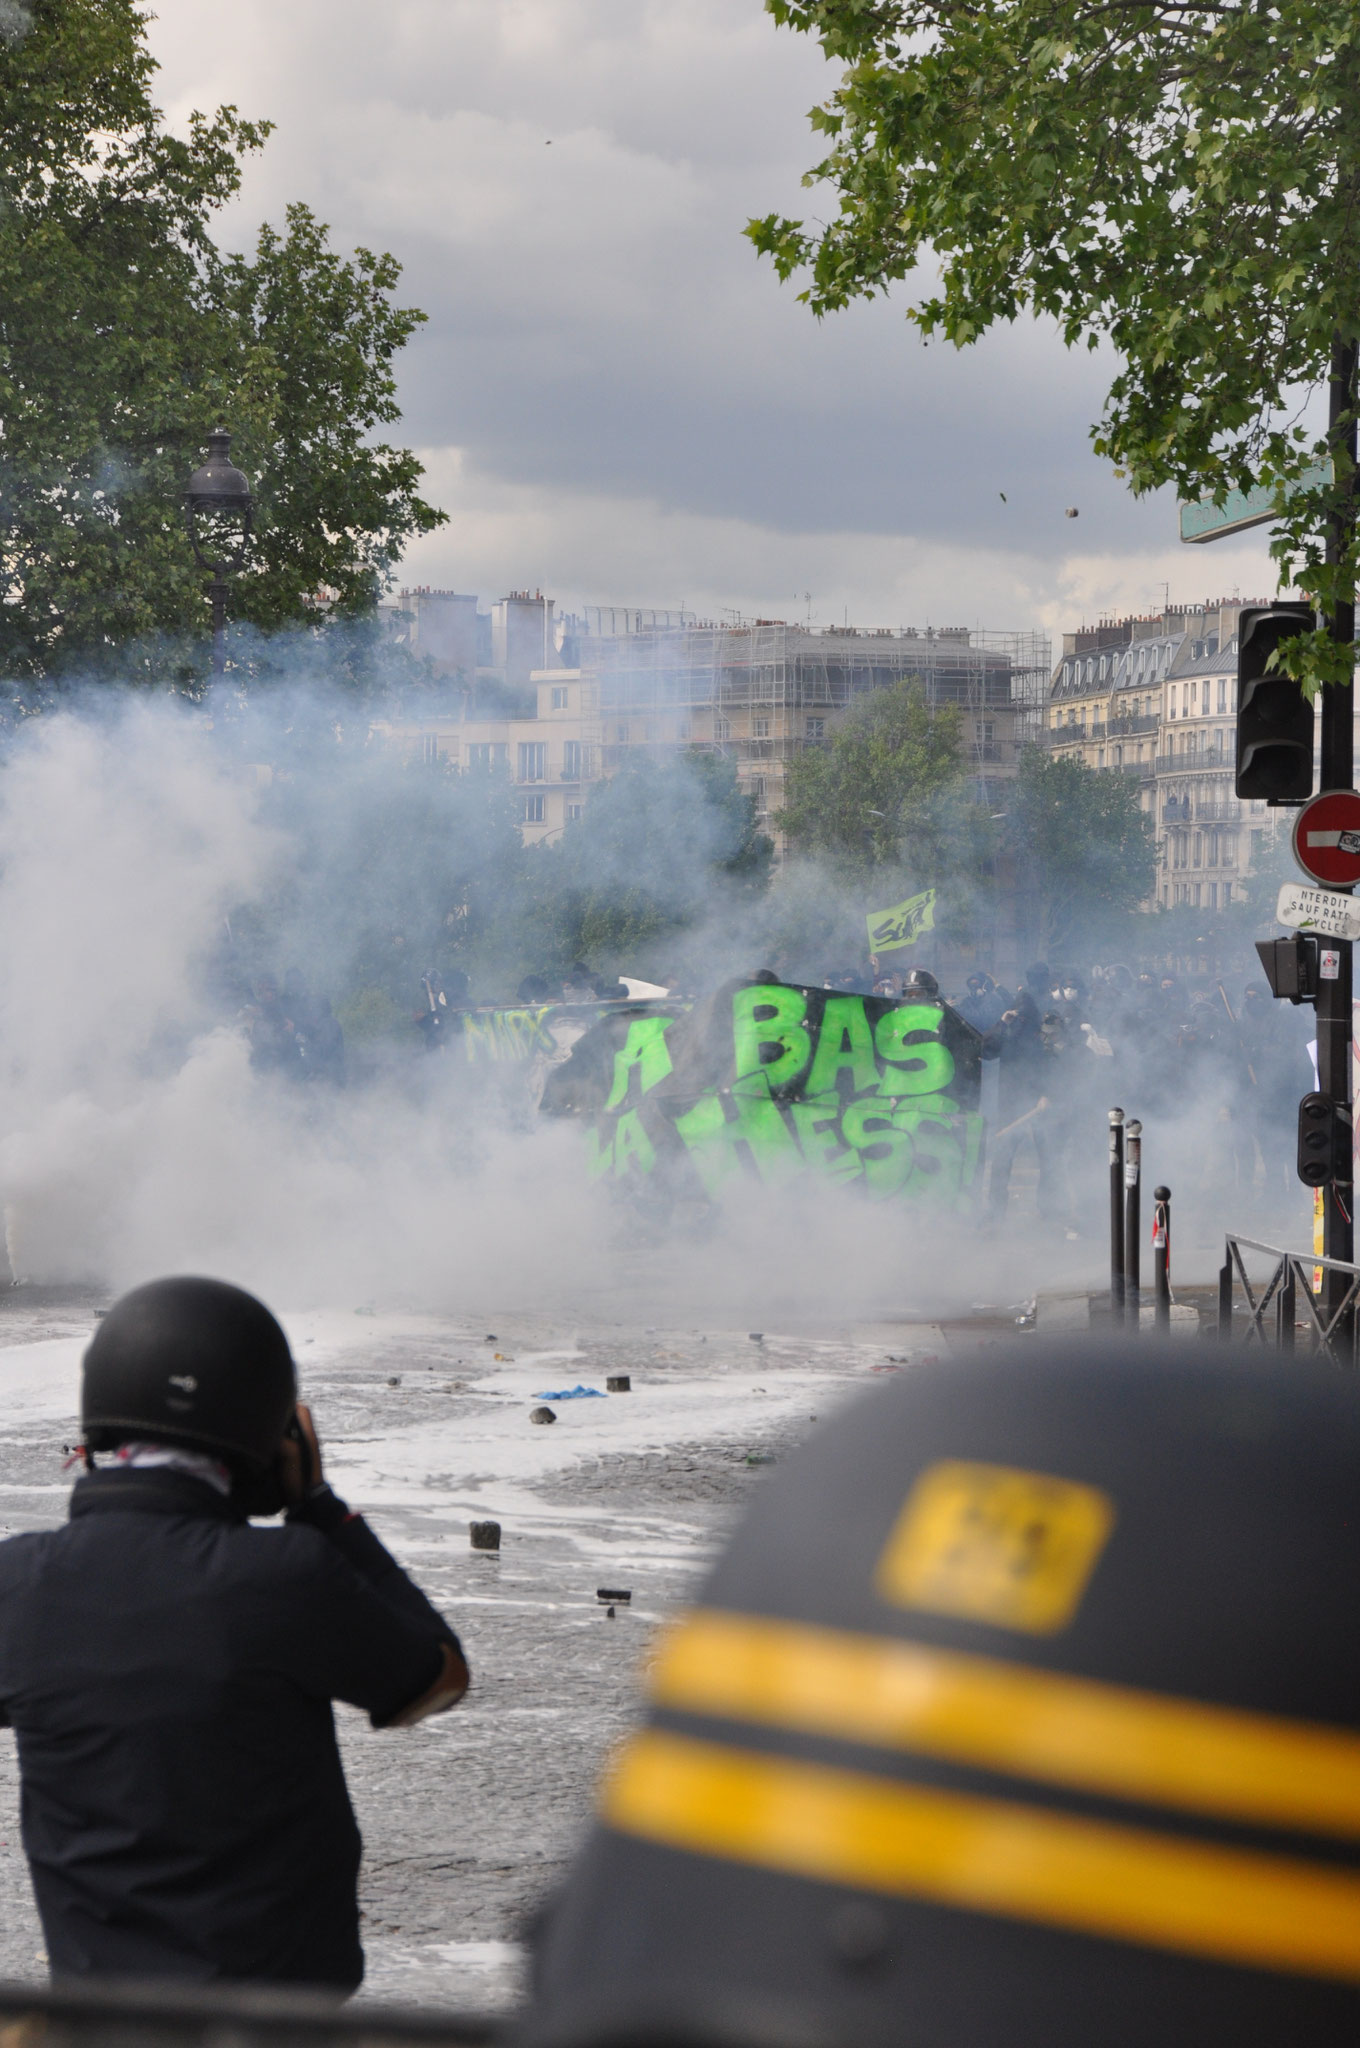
(757, 692)
(1154, 698)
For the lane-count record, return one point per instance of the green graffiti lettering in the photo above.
(922, 1066)
(644, 1048)
(703, 1130)
(632, 1146)
(937, 1175)
(479, 1038)
(763, 1016)
(844, 1041)
(885, 1147)
(599, 1154)
(815, 1120)
(712, 1138)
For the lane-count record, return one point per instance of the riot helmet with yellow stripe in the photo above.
(1022, 1712)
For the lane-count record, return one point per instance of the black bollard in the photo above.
(1133, 1227)
(1161, 1258)
(485, 1535)
(1116, 1217)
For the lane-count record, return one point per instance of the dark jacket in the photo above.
(168, 1669)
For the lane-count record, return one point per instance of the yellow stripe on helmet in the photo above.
(987, 1856)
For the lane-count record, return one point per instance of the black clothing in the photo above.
(168, 1669)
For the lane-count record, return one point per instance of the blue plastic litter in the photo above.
(572, 1394)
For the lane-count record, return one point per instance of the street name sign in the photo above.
(1326, 911)
(1327, 838)
(1202, 520)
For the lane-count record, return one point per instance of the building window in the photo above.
(532, 809)
(682, 729)
(1196, 901)
(573, 813)
(429, 749)
(621, 733)
(758, 788)
(571, 760)
(1204, 697)
(1100, 757)
(1222, 693)
(533, 760)
(1173, 700)
(816, 727)
(488, 754)
(722, 729)
(985, 731)
(1213, 895)
(559, 697)
(760, 728)
(1227, 894)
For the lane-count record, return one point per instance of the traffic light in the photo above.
(1324, 1142)
(1274, 718)
(1291, 966)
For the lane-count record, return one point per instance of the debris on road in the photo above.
(485, 1535)
(618, 1383)
(576, 1393)
(542, 1415)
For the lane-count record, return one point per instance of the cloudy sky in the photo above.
(616, 401)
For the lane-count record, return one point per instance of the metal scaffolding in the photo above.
(760, 692)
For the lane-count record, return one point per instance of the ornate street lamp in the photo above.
(219, 509)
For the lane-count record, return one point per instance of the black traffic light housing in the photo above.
(1324, 1142)
(1274, 718)
(1291, 966)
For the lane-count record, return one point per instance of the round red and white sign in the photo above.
(1327, 838)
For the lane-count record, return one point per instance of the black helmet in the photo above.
(921, 982)
(191, 1362)
(1024, 1708)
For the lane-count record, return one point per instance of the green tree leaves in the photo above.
(1179, 178)
(125, 335)
(877, 784)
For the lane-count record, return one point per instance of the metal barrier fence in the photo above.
(1278, 1299)
(116, 2015)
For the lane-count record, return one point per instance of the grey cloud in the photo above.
(597, 322)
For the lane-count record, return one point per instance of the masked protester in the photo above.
(169, 1668)
(1023, 1710)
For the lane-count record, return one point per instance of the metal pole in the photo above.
(1225, 1294)
(1161, 1258)
(217, 591)
(1133, 1229)
(1116, 1216)
(1285, 1309)
(1338, 772)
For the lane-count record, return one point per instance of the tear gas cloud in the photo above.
(137, 832)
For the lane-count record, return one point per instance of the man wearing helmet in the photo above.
(169, 1669)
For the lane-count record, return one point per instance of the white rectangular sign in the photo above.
(1328, 911)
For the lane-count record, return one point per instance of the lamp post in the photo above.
(218, 510)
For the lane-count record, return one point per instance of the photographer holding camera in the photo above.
(169, 1668)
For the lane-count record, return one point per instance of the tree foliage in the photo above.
(660, 846)
(1178, 176)
(126, 335)
(871, 790)
(1080, 846)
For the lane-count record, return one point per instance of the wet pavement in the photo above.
(469, 1820)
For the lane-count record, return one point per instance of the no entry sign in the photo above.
(1327, 838)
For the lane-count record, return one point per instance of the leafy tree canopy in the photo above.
(126, 335)
(1080, 846)
(660, 846)
(1179, 176)
(868, 791)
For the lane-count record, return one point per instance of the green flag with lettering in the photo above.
(902, 925)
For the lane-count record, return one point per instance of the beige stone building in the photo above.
(757, 692)
(1154, 698)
